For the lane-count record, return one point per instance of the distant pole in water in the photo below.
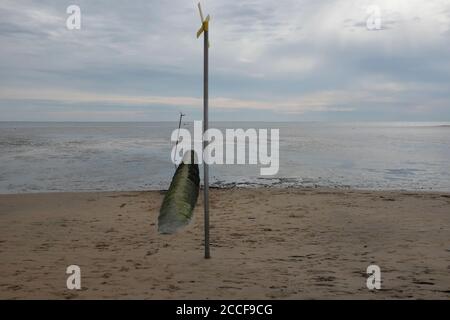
(204, 29)
(178, 136)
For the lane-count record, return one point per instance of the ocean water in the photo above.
(50, 157)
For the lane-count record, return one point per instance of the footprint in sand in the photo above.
(152, 252)
(15, 287)
(102, 246)
(44, 247)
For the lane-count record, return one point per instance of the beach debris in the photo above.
(179, 201)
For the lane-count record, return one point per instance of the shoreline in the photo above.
(267, 243)
(239, 187)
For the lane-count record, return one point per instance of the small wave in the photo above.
(403, 172)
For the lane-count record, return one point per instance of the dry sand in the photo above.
(266, 243)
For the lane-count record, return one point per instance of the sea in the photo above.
(106, 156)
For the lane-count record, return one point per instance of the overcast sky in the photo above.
(269, 60)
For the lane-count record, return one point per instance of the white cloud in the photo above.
(287, 56)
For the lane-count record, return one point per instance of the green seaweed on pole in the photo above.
(179, 201)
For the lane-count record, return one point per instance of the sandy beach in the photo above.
(266, 243)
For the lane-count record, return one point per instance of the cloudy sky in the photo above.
(269, 60)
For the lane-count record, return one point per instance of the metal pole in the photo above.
(205, 128)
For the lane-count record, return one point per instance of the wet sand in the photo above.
(266, 243)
